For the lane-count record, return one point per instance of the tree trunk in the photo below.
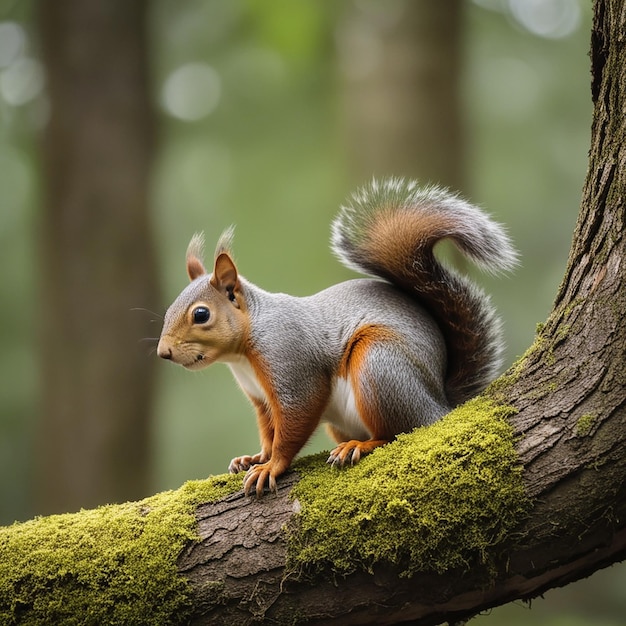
(97, 261)
(400, 69)
(568, 394)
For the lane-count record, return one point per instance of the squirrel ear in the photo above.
(195, 267)
(225, 278)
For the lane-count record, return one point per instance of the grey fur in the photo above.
(302, 340)
(459, 306)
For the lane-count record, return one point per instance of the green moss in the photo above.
(441, 497)
(585, 424)
(569, 309)
(498, 390)
(562, 333)
(111, 565)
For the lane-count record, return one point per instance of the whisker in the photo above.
(143, 310)
(153, 347)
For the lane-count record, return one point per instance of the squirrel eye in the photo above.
(201, 315)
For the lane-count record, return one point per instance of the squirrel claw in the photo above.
(244, 463)
(255, 479)
(346, 453)
(240, 464)
(350, 452)
(343, 455)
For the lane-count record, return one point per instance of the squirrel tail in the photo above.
(389, 229)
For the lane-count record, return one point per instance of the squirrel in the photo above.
(370, 357)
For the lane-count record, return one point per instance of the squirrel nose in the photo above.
(165, 352)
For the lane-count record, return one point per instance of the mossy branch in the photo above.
(115, 564)
(436, 526)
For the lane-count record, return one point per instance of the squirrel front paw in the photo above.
(244, 463)
(262, 475)
(256, 478)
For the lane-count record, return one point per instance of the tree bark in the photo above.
(97, 261)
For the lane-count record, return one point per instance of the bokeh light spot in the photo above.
(12, 42)
(552, 19)
(22, 81)
(192, 91)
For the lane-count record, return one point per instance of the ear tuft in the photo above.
(195, 251)
(225, 243)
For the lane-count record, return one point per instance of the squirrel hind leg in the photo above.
(350, 452)
(393, 392)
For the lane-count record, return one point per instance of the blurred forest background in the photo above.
(128, 125)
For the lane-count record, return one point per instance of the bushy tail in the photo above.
(389, 229)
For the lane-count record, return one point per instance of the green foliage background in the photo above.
(271, 158)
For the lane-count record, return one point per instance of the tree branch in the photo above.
(575, 527)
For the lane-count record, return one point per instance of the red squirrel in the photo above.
(369, 357)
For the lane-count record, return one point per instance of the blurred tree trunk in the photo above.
(400, 67)
(97, 260)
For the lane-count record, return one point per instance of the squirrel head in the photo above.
(208, 321)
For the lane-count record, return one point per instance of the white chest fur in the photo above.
(247, 379)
